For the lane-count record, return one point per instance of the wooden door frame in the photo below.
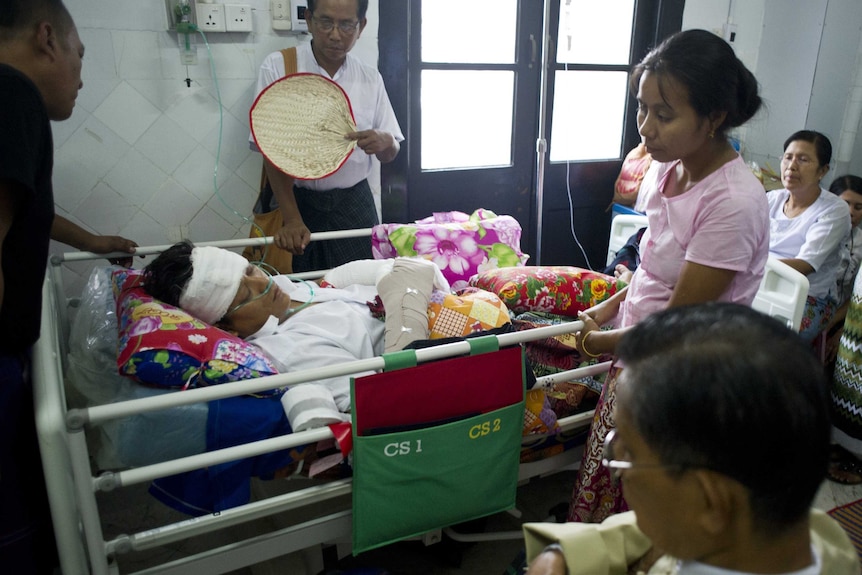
(397, 38)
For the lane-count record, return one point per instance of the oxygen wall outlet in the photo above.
(188, 48)
(238, 17)
(211, 17)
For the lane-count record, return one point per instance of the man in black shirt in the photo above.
(40, 75)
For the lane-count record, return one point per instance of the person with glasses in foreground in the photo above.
(721, 443)
(342, 200)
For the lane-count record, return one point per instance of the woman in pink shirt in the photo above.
(708, 233)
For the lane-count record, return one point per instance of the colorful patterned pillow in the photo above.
(164, 346)
(470, 310)
(459, 244)
(562, 290)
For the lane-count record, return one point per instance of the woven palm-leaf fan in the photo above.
(299, 123)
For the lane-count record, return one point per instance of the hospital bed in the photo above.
(74, 481)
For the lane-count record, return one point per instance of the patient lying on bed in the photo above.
(301, 325)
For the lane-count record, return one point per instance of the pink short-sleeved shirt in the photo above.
(721, 222)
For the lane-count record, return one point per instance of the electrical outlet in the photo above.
(210, 17)
(238, 17)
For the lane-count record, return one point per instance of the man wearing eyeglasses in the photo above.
(721, 444)
(342, 200)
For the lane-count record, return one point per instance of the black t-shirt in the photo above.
(27, 158)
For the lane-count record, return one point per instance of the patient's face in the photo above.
(669, 126)
(257, 298)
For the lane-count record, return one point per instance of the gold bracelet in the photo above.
(584, 346)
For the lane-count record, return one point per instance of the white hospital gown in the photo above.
(337, 328)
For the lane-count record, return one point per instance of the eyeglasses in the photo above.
(801, 160)
(255, 298)
(610, 461)
(345, 27)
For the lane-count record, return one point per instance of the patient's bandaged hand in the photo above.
(369, 272)
(405, 293)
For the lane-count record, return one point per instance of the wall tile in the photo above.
(249, 171)
(94, 93)
(172, 205)
(147, 232)
(229, 141)
(134, 54)
(99, 63)
(127, 113)
(135, 178)
(95, 146)
(62, 131)
(105, 211)
(207, 225)
(196, 111)
(196, 174)
(83, 159)
(234, 201)
(166, 144)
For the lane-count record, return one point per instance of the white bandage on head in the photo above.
(216, 275)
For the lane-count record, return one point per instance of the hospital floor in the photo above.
(534, 502)
(126, 511)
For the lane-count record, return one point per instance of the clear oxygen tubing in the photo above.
(219, 143)
(288, 313)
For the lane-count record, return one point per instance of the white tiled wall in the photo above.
(138, 156)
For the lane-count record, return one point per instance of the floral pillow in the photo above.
(459, 244)
(164, 346)
(562, 290)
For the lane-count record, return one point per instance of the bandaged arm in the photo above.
(368, 272)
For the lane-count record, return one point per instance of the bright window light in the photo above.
(466, 118)
(588, 112)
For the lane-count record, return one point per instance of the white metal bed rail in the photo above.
(95, 415)
(72, 487)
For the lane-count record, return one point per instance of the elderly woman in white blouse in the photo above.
(808, 225)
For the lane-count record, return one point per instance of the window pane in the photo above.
(595, 32)
(466, 118)
(480, 31)
(588, 113)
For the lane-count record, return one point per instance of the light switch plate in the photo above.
(280, 14)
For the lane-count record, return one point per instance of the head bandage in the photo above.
(216, 275)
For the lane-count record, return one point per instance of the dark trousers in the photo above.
(341, 209)
(26, 534)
